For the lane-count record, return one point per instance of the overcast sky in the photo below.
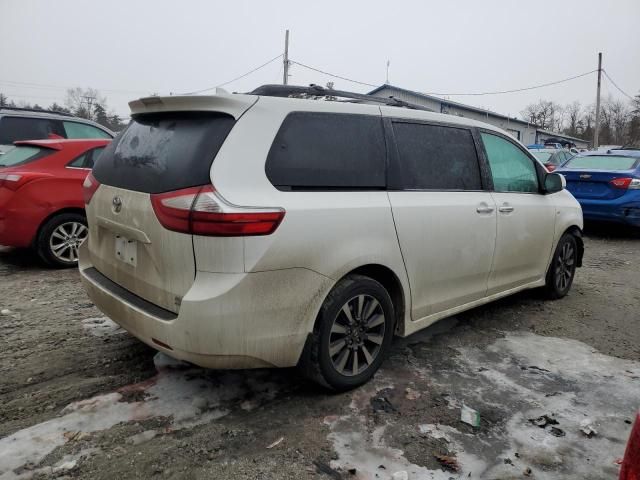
(128, 49)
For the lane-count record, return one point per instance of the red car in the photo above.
(631, 463)
(41, 199)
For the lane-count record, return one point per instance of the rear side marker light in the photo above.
(203, 211)
(162, 344)
(89, 188)
(625, 183)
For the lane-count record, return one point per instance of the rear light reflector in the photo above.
(202, 211)
(13, 181)
(89, 188)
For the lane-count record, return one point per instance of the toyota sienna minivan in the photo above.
(257, 230)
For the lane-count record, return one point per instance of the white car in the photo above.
(253, 230)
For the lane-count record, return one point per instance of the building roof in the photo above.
(484, 111)
(561, 135)
(474, 109)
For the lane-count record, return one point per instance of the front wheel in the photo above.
(352, 335)
(563, 267)
(60, 238)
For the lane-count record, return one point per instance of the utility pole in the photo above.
(89, 99)
(597, 129)
(388, 63)
(285, 59)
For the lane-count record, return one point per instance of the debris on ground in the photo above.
(352, 471)
(527, 472)
(412, 394)
(401, 475)
(543, 420)
(382, 404)
(470, 416)
(586, 427)
(448, 462)
(276, 443)
(556, 432)
(5, 311)
(322, 467)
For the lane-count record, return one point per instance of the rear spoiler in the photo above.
(232, 104)
(39, 143)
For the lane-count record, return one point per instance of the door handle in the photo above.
(484, 208)
(506, 209)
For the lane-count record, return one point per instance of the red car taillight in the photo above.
(551, 167)
(631, 463)
(625, 183)
(202, 211)
(13, 181)
(89, 188)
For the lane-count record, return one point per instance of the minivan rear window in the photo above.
(328, 151)
(161, 152)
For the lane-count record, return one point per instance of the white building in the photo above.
(526, 132)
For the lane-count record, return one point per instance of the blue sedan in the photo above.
(607, 185)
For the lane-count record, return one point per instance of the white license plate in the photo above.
(126, 250)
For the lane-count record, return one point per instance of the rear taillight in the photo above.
(13, 181)
(626, 183)
(631, 462)
(202, 211)
(89, 188)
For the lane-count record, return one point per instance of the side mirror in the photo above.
(554, 182)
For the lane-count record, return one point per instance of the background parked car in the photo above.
(25, 124)
(607, 185)
(551, 157)
(41, 199)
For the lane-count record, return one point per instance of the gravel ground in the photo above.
(79, 398)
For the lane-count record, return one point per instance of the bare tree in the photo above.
(573, 112)
(82, 101)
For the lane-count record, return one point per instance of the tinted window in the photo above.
(596, 162)
(79, 162)
(23, 154)
(161, 152)
(82, 130)
(13, 129)
(327, 150)
(87, 159)
(434, 158)
(512, 170)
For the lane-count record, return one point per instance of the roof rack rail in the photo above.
(41, 110)
(319, 91)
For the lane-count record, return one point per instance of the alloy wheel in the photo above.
(357, 334)
(66, 240)
(565, 266)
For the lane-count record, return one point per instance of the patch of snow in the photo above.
(187, 395)
(102, 326)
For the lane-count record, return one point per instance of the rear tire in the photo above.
(563, 267)
(60, 238)
(352, 334)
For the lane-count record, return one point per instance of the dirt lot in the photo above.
(79, 398)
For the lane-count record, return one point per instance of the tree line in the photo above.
(82, 102)
(619, 120)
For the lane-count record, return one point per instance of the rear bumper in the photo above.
(625, 209)
(247, 320)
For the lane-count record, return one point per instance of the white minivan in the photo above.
(258, 230)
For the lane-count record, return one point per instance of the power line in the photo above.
(500, 92)
(234, 79)
(614, 84)
(333, 75)
(45, 86)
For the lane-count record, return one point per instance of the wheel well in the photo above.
(577, 233)
(389, 280)
(79, 211)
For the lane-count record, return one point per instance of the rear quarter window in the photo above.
(434, 157)
(318, 150)
(162, 152)
(23, 154)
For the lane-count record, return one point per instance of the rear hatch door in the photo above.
(160, 151)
